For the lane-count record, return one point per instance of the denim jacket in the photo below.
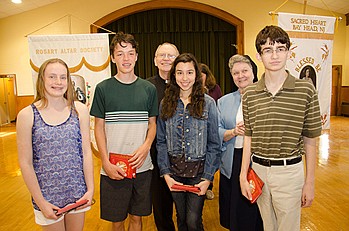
(228, 107)
(196, 138)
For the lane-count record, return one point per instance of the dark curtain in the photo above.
(210, 39)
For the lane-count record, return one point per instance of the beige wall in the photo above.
(345, 81)
(14, 56)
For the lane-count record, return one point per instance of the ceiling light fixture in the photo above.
(16, 1)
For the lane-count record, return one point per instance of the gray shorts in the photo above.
(128, 196)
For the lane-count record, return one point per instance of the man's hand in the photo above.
(139, 156)
(245, 188)
(113, 171)
(307, 195)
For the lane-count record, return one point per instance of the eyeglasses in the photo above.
(169, 56)
(270, 51)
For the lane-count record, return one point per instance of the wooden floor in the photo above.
(330, 210)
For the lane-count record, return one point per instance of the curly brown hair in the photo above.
(197, 97)
(121, 37)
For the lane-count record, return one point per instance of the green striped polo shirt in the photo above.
(278, 123)
(126, 109)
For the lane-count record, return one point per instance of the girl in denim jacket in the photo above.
(187, 140)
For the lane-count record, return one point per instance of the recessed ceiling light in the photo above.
(16, 1)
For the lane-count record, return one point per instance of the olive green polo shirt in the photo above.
(278, 123)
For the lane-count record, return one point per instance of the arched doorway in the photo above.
(217, 22)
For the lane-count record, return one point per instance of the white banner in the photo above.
(87, 56)
(311, 54)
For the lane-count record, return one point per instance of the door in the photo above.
(4, 114)
(11, 98)
(336, 90)
(7, 99)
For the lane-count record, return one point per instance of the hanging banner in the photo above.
(311, 54)
(87, 56)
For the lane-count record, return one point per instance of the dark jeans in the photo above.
(188, 206)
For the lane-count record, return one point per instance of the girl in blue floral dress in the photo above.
(53, 139)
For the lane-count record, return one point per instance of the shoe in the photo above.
(209, 194)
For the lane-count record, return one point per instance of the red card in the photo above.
(188, 188)
(121, 160)
(256, 184)
(71, 207)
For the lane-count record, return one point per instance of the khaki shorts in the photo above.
(40, 219)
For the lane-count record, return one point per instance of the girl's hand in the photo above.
(49, 210)
(203, 185)
(88, 196)
(170, 182)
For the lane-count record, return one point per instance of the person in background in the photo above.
(53, 140)
(282, 119)
(213, 90)
(125, 109)
(236, 212)
(209, 82)
(165, 54)
(187, 140)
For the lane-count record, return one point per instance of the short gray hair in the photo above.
(238, 59)
(167, 43)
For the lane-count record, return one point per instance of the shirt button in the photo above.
(189, 158)
(200, 134)
(186, 117)
(188, 143)
(187, 130)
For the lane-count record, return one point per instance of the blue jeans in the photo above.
(188, 206)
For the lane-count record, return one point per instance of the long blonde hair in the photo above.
(69, 95)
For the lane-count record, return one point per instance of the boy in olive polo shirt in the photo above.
(282, 119)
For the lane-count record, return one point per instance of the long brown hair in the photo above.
(69, 95)
(210, 82)
(197, 98)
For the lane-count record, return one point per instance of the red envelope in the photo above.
(256, 184)
(71, 207)
(121, 160)
(188, 188)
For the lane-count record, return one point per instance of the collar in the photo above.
(161, 79)
(289, 83)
